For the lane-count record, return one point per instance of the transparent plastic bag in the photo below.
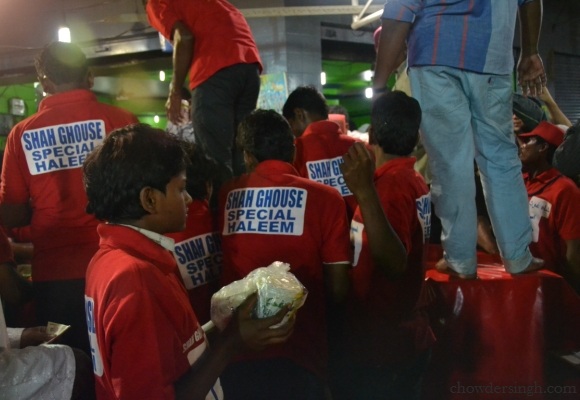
(276, 287)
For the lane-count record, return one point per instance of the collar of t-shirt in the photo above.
(395, 165)
(164, 241)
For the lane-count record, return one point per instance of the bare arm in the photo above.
(531, 74)
(183, 42)
(243, 332)
(336, 282)
(15, 215)
(557, 115)
(387, 250)
(391, 51)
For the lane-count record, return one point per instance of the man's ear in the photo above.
(90, 79)
(250, 161)
(46, 84)
(148, 199)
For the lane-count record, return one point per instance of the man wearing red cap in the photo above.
(553, 203)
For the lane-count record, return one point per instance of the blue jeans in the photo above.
(467, 116)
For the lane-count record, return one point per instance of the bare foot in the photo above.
(535, 265)
(444, 267)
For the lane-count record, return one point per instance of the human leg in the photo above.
(215, 110)
(447, 135)
(500, 169)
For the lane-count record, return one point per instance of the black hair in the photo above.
(395, 121)
(130, 159)
(307, 98)
(62, 63)
(201, 170)
(266, 135)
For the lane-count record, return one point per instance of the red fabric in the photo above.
(222, 35)
(382, 312)
(53, 183)
(198, 253)
(321, 217)
(554, 205)
(319, 153)
(141, 325)
(497, 331)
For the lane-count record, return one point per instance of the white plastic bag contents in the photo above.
(276, 287)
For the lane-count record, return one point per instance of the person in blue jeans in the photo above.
(460, 63)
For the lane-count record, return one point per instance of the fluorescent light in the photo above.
(162, 76)
(323, 78)
(64, 34)
(156, 119)
(368, 75)
(369, 93)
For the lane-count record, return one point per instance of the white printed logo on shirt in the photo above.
(423, 204)
(199, 259)
(60, 147)
(95, 352)
(328, 173)
(267, 211)
(538, 208)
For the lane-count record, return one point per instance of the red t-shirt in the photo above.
(222, 35)
(42, 164)
(319, 154)
(554, 202)
(198, 252)
(143, 332)
(381, 314)
(270, 215)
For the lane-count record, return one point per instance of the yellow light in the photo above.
(156, 119)
(162, 76)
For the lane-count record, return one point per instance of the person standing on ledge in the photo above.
(213, 42)
(460, 62)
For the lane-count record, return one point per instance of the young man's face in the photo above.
(529, 151)
(172, 207)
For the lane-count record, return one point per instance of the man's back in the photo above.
(42, 163)
(274, 215)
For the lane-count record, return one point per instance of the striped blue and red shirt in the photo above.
(473, 35)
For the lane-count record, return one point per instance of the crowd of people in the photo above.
(133, 228)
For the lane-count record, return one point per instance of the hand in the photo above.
(173, 107)
(34, 336)
(545, 96)
(531, 75)
(358, 169)
(256, 334)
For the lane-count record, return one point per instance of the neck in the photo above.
(536, 170)
(382, 158)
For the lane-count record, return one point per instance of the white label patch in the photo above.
(328, 173)
(60, 147)
(95, 352)
(538, 208)
(199, 259)
(423, 204)
(268, 211)
(356, 238)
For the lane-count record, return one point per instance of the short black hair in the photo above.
(201, 170)
(307, 98)
(62, 63)
(130, 159)
(395, 122)
(266, 135)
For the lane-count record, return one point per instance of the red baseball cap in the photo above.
(547, 131)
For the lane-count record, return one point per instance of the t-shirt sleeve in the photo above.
(567, 218)
(401, 213)
(163, 15)
(401, 10)
(14, 185)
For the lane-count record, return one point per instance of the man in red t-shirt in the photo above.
(272, 214)
(213, 42)
(553, 203)
(320, 143)
(387, 348)
(42, 184)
